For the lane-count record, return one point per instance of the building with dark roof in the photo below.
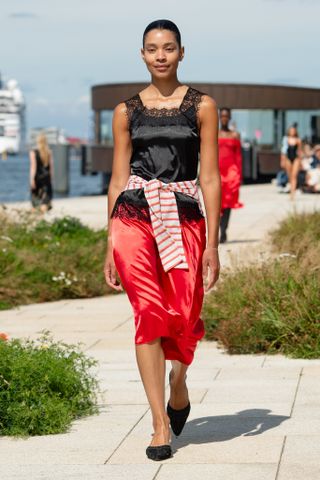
(261, 113)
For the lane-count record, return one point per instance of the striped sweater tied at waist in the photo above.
(164, 216)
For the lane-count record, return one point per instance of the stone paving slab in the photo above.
(261, 471)
(260, 373)
(302, 450)
(91, 440)
(79, 472)
(254, 390)
(301, 471)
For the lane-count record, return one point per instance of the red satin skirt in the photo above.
(165, 304)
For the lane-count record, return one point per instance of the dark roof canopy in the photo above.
(233, 95)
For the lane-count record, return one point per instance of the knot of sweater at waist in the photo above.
(164, 216)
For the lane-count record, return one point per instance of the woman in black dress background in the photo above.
(41, 175)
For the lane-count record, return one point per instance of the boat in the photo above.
(12, 117)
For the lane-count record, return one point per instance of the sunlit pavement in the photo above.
(252, 416)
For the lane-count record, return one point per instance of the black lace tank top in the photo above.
(165, 145)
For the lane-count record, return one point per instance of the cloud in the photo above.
(41, 102)
(83, 100)
(22, 15)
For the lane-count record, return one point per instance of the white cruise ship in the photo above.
(12, 117)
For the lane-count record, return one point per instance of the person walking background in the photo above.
(230, 165)
(162, 248)
(291, 153)
(41, 175)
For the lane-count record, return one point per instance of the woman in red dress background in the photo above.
(230, 164)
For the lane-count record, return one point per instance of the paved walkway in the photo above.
(252, 416)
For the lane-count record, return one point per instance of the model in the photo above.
(159, 249)
(291, 153)
(230, 165)
(41, 175)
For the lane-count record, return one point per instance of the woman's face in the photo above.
(224, 118)
(161, 53)
(292, 132)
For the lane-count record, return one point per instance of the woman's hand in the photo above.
(110, 271)
(211, 266)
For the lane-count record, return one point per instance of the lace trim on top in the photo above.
(124, 210)
(192, 98)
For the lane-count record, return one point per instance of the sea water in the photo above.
(15, 185)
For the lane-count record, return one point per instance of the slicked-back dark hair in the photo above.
(163, 25)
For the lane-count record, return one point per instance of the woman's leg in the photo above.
(224, 222)
(178, 389)
(184, 292)
(43, 208)
(136, 260)
(151, 364)
(294, 176)
(288, 168)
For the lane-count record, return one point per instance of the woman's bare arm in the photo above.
(122, 149)
(209, 174)
(210, 183)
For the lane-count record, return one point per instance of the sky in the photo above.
(57, 50)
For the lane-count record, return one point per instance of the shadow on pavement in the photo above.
(221, 428)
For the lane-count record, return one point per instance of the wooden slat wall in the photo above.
(238, 96)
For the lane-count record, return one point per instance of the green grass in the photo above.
(274, 306)
(45, 261)
(44, 386)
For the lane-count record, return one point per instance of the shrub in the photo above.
(273, 306)
(45, 261)
(44, 386)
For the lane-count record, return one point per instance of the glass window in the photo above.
(304, 120)
(106, 127)
(255, 125)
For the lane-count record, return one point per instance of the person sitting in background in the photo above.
(41, 175)
(312, 180)
(316, 156)
(305, 164)
(307, 156)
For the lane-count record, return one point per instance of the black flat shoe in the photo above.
(160, 452)
(178, 418)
